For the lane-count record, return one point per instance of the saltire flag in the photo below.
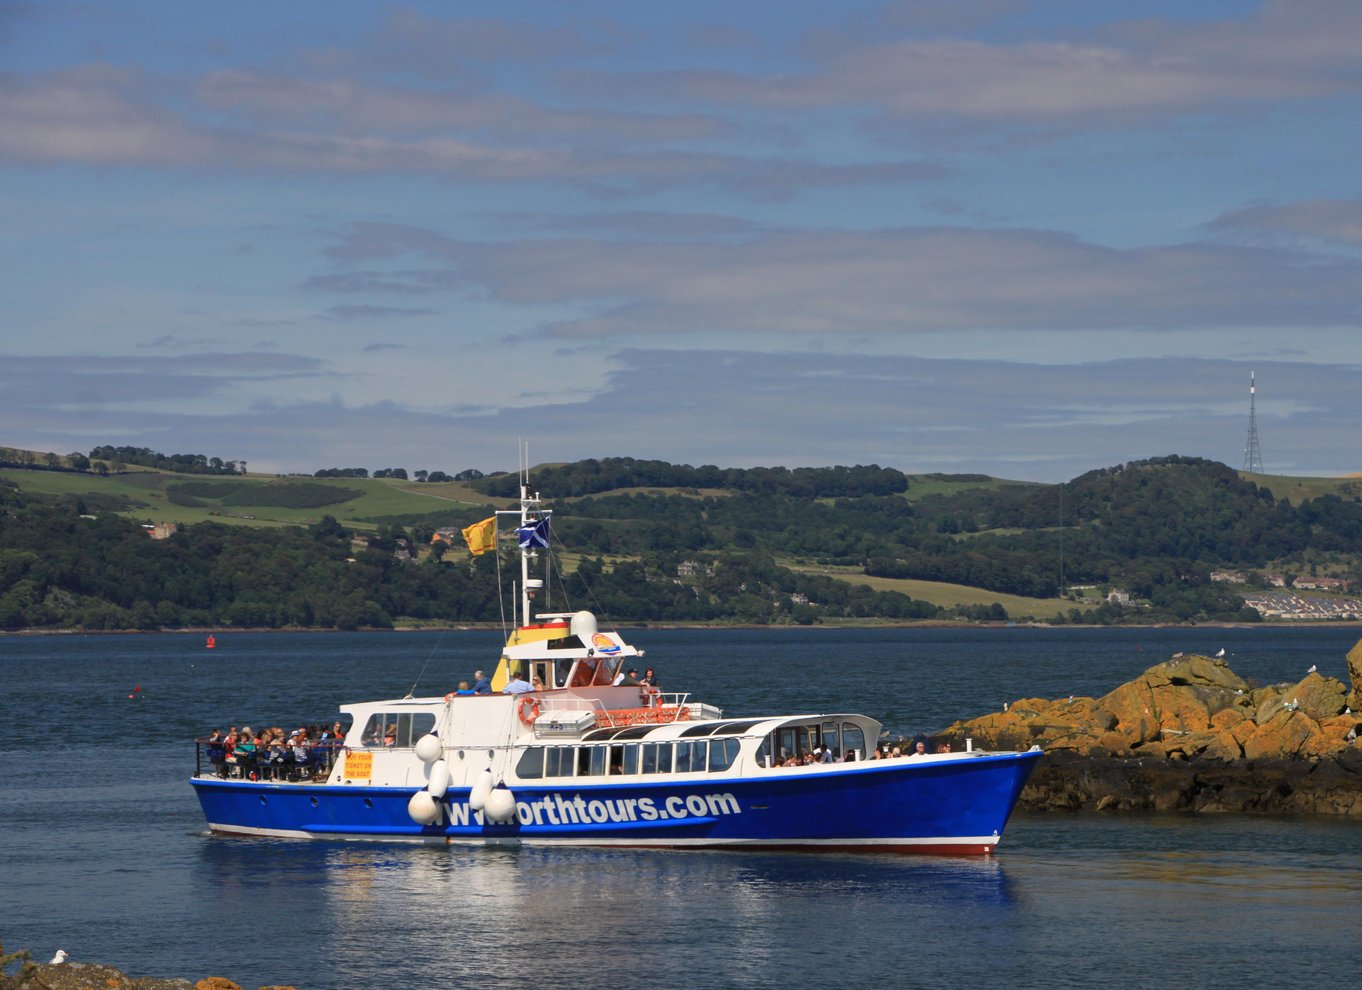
(481, 536)
(536, 535)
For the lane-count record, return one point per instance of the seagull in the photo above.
(1176, 655)
(1312, 669)
(1004, 706)
(59, 958)
(1221, 653)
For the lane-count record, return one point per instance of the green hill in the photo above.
(651, 541)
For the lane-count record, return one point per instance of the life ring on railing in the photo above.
(652, 696)
(528, 710)
(449, 697)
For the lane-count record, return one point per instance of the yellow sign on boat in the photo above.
(359, 766)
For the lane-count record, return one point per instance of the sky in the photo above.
(1027, 239)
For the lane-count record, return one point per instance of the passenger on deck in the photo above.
(826, 755)
(517, 685)
(629, 678)
(650, 679)
(481, 685)
(464, 689)
(919, 749)
(536, 683)
(390, 737)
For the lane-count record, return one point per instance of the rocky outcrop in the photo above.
(1068, 781)
(94, 976)
(1191, 734)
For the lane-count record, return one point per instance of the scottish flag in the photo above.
(535, 535)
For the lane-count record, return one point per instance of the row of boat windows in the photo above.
(398, 729)
(696, 756)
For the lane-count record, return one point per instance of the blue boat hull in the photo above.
(954, 807)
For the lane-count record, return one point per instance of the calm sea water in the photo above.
(103, 853)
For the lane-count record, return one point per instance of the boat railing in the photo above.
(321, 757)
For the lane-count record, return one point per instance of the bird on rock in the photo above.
(59, 958)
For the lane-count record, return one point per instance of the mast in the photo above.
(531, 535)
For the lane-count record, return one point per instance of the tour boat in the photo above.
(585, 757)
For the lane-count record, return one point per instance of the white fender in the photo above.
(500, 806)
(482, 787)
(429, 748)
(439, 779)
(423, 808)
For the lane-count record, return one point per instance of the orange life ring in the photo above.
(652, 695)
(528, 710)
(449, 697)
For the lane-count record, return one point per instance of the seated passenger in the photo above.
(481, 685)
(919, 749)
(517, 685)
(464, 689)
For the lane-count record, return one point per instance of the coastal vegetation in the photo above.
(146, 548)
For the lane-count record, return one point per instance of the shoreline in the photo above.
(477, 626)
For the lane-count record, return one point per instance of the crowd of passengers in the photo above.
(271, 753)
(826, 754)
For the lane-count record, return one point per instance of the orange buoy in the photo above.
(212, 642)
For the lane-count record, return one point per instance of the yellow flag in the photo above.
(482, 536)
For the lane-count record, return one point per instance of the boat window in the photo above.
(397, 729)
(764, 753)
(539, 674)
(630, 758)
(531, 765)
(657, 757)
(722, 753)
(832, 738)
(585, 672)
(691, 756)
(598, 756)
(616, 759)
(734, 728)
(584, 759)
(561, 670)
(558, 761)
(612, 669)
(853, 739)
(707, 729)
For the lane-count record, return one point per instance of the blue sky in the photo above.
(1026, 239)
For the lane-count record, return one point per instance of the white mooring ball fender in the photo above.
(423, 808)
(429, 748)
(482, 787)
(500, 806)
(439, 779)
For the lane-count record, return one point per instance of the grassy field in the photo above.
(923, 486)
(941, 593)
(147, 490)
(1297, 490)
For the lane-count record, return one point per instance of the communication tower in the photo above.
(1253, 457)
